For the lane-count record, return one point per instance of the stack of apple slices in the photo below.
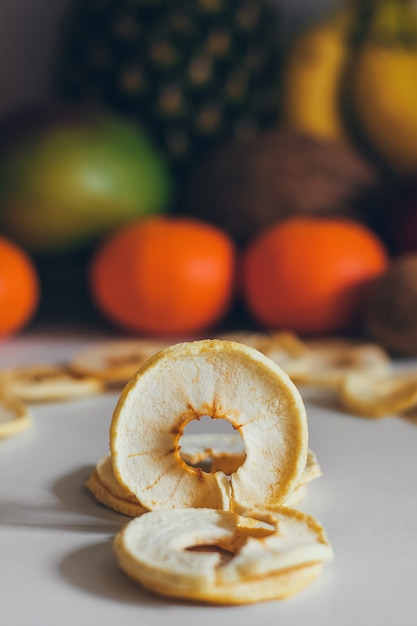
(211, 536)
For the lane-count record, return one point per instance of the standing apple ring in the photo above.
(222, 379)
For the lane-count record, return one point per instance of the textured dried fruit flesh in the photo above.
(223, 380)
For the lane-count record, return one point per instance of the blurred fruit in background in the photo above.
(351, 75)
(68, 182)
(19, 288)
(191, 71)
(246, 187)
(308, 274)
(390, 307)
(203, 109)
(382, 84)
(312, 75)
(164, 275)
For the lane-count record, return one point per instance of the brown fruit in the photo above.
(390, 310)
(246, 186)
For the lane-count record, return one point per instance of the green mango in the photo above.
(69, 182)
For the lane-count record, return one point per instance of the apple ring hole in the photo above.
(220, 447)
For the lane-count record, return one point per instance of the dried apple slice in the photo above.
(224, 380)
(14, 416)
(45, 382)
(254, 339)
(104, 486)
(326, 362)
(378, 395)
(195, 450)
(280, 346)
(114, 362)
(104, 470)
(220, 557)
(284, 346)
(312, 470)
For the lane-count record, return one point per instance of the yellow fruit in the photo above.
(312, 78)
(384, 91)
(383, 84)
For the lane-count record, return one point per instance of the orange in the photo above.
(308, 274)
(19, 287)
(164, 275)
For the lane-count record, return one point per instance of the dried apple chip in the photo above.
(280, 346)
(224, 380)
(103, 485)
(320, 362)
(104, 471)
(255, 339)
(283, 347)
(45, 382)
(312, 470)
(195, 450)
(220, 557)
(115, 362)
(14, 416)
(377, 395)
(325, 362)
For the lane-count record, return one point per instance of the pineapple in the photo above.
(192, 72)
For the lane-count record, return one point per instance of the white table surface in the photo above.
(57, 567)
